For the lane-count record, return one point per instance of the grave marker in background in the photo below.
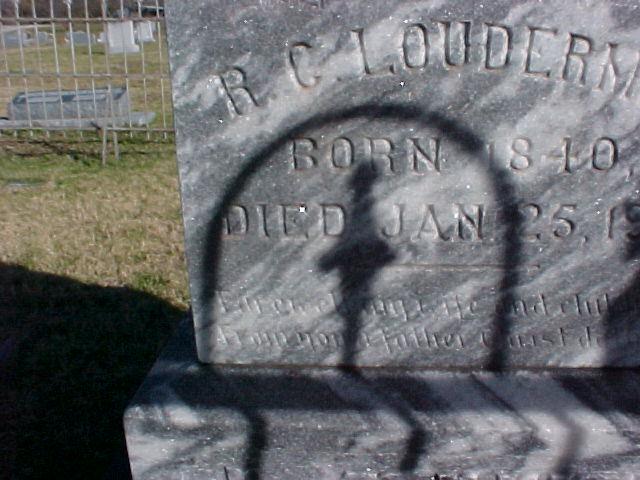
(44, 38)
(14, 37)
(79, 38)
(145, 31)
(120, 37)
(70, 104)
(25, 35)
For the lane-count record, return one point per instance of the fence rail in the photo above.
(64, 68)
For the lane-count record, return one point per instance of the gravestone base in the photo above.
(190, 420)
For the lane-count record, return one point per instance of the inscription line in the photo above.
(446, 266)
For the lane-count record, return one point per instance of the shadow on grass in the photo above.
(71, 356)
(86, 147)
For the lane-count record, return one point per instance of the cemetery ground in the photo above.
(92, 282)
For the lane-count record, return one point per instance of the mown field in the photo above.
(61, 212)
(92, 282)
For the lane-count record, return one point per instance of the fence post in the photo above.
(103, 132)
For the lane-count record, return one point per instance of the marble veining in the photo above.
(406, 223)
(191, 420)
(410, 183)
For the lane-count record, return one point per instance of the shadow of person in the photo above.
(621, 320)
(71, 356)
(454, 131)
(359, 256)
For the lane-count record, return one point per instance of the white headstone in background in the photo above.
(15, 37)
(144, 32)
(120, 38)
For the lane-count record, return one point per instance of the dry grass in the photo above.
(92, 276)
(114, 226)
(92, 281)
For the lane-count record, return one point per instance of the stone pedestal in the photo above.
(190, 420)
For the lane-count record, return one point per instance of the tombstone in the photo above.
(15, 37)
(44, 38)
(123, 12)
(70, 104)
(120, 37)
(411, 235)
(79, 38)
(145, 31)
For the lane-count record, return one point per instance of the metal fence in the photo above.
(84, 65)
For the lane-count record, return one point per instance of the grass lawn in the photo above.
(92, 281)
(92, 276)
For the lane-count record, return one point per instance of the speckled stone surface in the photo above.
(195, 421)
(410, 183)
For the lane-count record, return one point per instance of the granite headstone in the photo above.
(410, 183)
(405, 184)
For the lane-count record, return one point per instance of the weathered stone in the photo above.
(196, 421)
(79, 38)
(410, 183)
(402, 184)
(15, 37)
(121, 38)
(70, 104)
(145, 31)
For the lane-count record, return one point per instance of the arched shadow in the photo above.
(71, 357)
(356, 280)
(451, 130)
